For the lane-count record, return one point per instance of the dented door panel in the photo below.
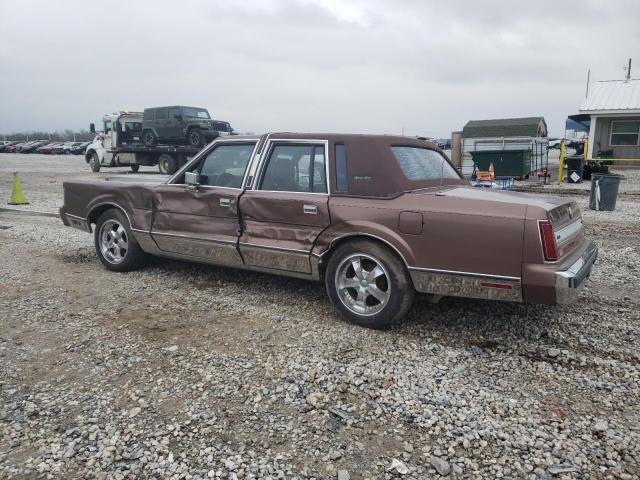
(280, 228)
(201, 224)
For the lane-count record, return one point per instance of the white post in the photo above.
(588, 155)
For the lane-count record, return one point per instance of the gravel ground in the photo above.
(188, 371)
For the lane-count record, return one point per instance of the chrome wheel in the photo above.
(114, 242)
(362, 284)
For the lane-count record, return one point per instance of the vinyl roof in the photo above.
(613, 95)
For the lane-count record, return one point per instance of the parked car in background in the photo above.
(49, 148)
(67, 147)
(12, 148)
(6, 146)
(31, 147)
(191, 125)
(80, 148)
(554, 143)
(376, 218)
(444, 143)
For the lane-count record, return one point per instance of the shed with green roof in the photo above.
(515, 146)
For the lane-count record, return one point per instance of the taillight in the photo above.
(548, 240)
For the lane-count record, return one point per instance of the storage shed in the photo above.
(516, 146)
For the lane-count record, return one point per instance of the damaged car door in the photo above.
(196, 216)
(287, 208)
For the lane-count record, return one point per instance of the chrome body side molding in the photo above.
(466, 284)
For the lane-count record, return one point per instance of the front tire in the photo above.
(149, 138)
(94, 162)
(368, 284)
(116, 246)
(167, 164)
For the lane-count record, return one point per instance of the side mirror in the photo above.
(92, 128)
(192, 179)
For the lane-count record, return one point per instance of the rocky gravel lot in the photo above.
(188, 371)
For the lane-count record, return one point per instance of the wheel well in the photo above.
(100, 209)
(326, 255)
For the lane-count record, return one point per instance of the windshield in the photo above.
(423, 164)
(195, 112)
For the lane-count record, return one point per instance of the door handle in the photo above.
(310, 209)
(226, 202)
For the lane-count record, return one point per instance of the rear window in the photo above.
(423, 164)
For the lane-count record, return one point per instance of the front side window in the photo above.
(175, 113)
(195, 112)
(108, 126)
(225, 165)
(423, 164)
(295, 168)
(625, 133)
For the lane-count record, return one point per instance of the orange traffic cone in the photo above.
(492, 173)
(17, 197)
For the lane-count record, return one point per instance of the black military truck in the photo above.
(178, 124)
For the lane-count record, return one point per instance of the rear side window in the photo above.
(295, 168)
(161, 113)
(149, 114)
(342, 179)
(423, 164)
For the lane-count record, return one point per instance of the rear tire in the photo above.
(94, 162)
(368, 284)
(116, 246)
(195, 138)
(149, 138)
(167, 164)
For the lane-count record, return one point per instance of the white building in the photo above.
(614, 109)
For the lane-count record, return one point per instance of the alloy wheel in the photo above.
(362, 284)
(114, 242)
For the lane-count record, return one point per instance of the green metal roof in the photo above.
(506, 127)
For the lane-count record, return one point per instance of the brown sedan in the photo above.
(376, 218)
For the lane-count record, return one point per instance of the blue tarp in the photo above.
(577, 126)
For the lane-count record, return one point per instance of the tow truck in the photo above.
(119, 145)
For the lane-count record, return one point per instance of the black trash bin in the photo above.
(575, 168)
(604, 191)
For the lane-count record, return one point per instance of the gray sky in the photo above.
(310, 65)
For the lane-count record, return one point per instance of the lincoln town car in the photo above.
(376, 218)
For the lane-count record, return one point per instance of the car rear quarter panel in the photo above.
(457, 234)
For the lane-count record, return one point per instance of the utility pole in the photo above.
(588, 77)
(628, 77)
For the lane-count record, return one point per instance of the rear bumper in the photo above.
(568, 282)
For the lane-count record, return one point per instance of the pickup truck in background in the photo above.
(120, 144)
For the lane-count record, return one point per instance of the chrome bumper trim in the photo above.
(570, 281)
